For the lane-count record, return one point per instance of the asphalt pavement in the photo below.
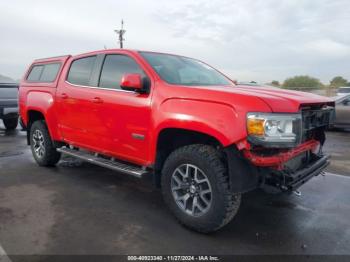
(78, 208)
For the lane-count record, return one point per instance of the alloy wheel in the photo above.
(38, 143)
(191, 190)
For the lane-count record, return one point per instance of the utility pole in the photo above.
(120, 34)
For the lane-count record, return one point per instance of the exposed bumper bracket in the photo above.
(277, 161)
(298, 178)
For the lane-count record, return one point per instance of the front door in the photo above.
(124, 115)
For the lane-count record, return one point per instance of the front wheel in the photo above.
(11, 123)
(43, 150)
(195, 186)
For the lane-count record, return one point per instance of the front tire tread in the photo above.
(213, 159)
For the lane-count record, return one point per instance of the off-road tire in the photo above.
(224, 204)
(11, 123)
(51, 156)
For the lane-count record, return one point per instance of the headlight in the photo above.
(274, 129)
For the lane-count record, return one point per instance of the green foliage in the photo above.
(338, 81)
(275, 83)
(302, 82)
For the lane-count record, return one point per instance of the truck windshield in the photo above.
(180, 70)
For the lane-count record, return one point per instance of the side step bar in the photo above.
(108, 163)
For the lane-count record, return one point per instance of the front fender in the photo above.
(218, 120)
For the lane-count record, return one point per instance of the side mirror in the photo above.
(132, 82)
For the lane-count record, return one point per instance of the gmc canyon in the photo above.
(203, 139)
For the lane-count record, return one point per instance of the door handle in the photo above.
(97, 100)
(64, 96)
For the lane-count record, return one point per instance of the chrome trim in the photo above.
(101, 88)
(138, 136)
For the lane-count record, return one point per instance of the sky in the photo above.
(249, 40)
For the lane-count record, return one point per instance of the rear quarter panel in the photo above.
(40, 100)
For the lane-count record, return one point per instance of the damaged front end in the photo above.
(281, 166)
(288, 170)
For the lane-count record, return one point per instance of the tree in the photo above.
(302, 82)
(338, 81)
(275, 83)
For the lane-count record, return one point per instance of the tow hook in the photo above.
(297, 192)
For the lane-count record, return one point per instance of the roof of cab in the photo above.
(52, 59)
(96, 52)
(123, 50)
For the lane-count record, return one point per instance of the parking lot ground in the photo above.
(78, 208)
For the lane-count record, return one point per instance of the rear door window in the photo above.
(114, 67)
(81, 70)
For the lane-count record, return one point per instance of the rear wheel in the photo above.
(196, 188)
(11, 123)
(43, 150)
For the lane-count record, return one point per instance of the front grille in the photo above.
(315, 119)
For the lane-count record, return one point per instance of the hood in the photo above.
(277, 99)
(282, 100)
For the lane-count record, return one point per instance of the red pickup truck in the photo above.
(204, 139)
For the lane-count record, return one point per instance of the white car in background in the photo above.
(343, 90)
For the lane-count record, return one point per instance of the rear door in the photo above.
(77, 106)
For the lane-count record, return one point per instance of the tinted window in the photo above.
(81, 70)
(50, 72)
(44, 73)
(35, 73)
(114, 67)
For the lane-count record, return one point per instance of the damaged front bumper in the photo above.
(283, 171)
(290, 181)
(278, 160)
